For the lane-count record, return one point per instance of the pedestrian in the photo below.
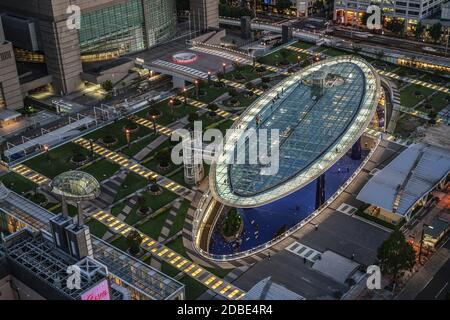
(353, 256)
(316, 227)
(268, 256)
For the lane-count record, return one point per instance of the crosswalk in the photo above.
(304, 252)
(137, 168)
(194, 73)
(149, 124)
(222, 54)
(171, 257)
(30, 174)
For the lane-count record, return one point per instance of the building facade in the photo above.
(204, 14)
(351, 12)
(10, 96)
(108, 28)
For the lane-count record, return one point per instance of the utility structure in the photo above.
(76, 187)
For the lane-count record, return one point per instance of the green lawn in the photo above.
(334, 52)
(438, 102)
(102, 169)
(212, 93)
(247, 71)
(171, 271)
(193, 288)
(177, 246)
(276, 57)
(302, 45)
(181, 216)
(138, 146)
(57, 160)
(407, 124)
(154, 202)
(97, 228)
(116, 129)
(153, 165)
(166, 117)
(17, 183)
(408, 96)
(153, 226)
(132, 183)
(222, 126)
(117, 209)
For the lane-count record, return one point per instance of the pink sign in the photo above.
(99, 292)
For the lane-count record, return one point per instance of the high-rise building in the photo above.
(204, 14)
(10, 96)
(411, 11)
(42, 31)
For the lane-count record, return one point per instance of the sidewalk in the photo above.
(420, 280)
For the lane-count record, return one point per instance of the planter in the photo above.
(233, 103)
(155, 192)
(164, 166)
(143, 212)
(79, 160)
(131, 128)
(109, 141)
(237, 233)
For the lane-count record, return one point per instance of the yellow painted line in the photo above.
(218, 283)
(232, 294)
(189, 268)
(163, 252)
(225, 289)
(196, 272)
(126, 230)
(210, 279)
(175, 260)
(182, 263)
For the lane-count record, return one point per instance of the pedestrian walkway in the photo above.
(149, 124)
(220, 112)
(420, 279)
(162, 252)
(414, 81)
(135, 167)
(304, 252)
(241, 86)
(150, 147)
(30, 174)
(194, 73)
(171, 216)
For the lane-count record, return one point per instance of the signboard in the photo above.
(99, 292)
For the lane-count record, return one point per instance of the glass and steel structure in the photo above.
(76, 185)
(320, 113)
(127, 27)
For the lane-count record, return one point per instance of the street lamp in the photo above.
(196, 88)
(127, 135)
(46, 150)
(209, 78)
(171, 107)
(154, 123)
(422, 239)
(224, 65)
(185, 95)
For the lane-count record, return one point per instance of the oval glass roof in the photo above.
(320, 112)
(76, 185)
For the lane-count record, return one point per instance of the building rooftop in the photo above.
(397, 187)
(320, 113)
(153, 284)
(266, 289)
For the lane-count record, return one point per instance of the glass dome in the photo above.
(76, 186)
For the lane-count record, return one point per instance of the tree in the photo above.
(283, 5)
(134, 240)
(418, 32)
(107, 85)
(436, 31)
(193, 116)
(396, 255)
